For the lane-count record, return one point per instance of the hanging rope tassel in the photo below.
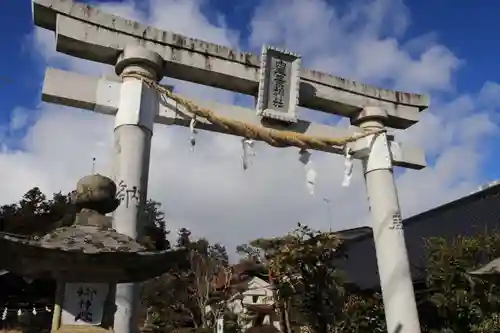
(4, 314)
(248, 152)
(305, 158)
(275, 138)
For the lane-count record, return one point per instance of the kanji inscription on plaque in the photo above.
(84, 303)
(279, 85)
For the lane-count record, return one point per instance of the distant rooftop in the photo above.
(487, 185)
(469, 215)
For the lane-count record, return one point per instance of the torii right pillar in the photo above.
(392, 258)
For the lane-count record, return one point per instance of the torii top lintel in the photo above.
(86, 32)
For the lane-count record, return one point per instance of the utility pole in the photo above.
(329, 213)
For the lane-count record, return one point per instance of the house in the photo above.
(258, 299)
(251, 295)
(477, 212)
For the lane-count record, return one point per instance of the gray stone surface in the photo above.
(102, 95)
(85, 32)
(137, 59)
(89, 250)
(89, 239)
(114, 262)
(95, 192)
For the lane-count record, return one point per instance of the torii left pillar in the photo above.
(133, 131)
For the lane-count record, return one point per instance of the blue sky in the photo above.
(445, 48)
(468, 28)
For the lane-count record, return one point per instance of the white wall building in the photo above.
(257, 297)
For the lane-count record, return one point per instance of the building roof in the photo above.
(477, 212)
(262, 329)
(238, 274)
(19, 292)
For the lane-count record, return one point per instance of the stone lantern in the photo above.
(86, 259)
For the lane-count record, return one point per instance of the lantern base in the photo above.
(83, 308)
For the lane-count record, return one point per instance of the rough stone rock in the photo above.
(95, 192)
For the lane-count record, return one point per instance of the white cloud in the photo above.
(362, 44)
(207, 190)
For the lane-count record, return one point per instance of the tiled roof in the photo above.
(237, 274)
(477, 212)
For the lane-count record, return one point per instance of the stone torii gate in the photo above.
(143, 55)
